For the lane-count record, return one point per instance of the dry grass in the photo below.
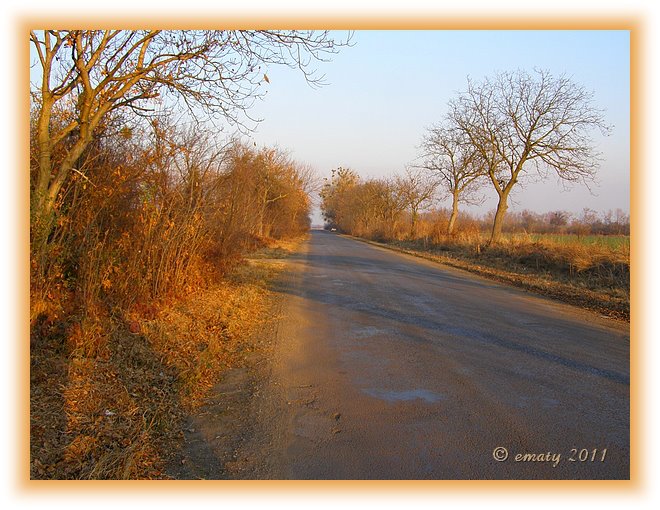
(99, 417)
(108, 394)
(210, 330)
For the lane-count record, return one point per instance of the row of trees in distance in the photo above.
(496, 134)
(407, 207)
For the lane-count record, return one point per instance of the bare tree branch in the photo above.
(93, 74)
(520, 123)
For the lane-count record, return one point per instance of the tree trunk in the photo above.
(454, 214)
(48, 187)
(391, 227)
(498, 222)
(42, 219)
(413, 223)
(262, 214)
(40, 205)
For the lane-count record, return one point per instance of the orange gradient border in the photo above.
(363, 21)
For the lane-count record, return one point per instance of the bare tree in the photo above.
(417, 190)
(86, 75)
(448, 154)
(388, 203)
(519, 123)
(334, 192)
(558, 220)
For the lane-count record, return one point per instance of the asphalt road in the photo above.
(392, 367)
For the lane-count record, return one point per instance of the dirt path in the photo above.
(391, 367)
(239, 431)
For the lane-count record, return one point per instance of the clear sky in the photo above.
(385, 90)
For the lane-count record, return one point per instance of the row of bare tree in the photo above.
(127, 204)
(496, 134)
(376, 207)
(588, 221)
(407, 207)
(152, 212)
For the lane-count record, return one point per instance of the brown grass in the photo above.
(109, 393)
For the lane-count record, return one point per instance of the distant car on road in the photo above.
(333, 229)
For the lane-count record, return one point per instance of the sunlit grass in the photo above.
(607, 241)
(121, 394)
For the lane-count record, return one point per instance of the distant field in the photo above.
(612, 242)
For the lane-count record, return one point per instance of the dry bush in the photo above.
(468, 234)
(119, 347)
(150, 219)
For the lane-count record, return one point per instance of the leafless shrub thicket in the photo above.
(159, 213)
(127, 205)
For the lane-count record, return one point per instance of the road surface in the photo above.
(393, 367)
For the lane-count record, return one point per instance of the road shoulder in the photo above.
(238, 431)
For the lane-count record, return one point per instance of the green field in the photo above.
(613, 242)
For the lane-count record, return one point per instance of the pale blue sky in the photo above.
(384, 91)
(391, 85)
